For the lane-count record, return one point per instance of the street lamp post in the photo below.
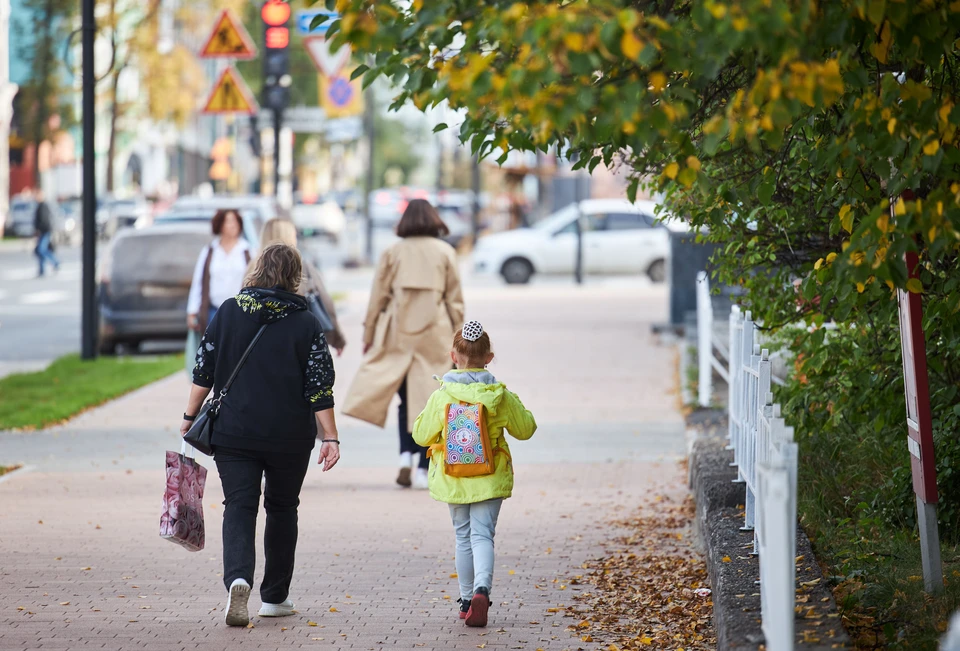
(88, 349)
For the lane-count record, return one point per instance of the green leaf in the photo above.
(765, 192)
(359, 70)
(440, 127)
(632, 189)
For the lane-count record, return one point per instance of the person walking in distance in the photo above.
(464, 424)
(416, 304)
(280, 401)
(43, 224)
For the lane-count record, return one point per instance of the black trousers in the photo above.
(240, 473)
(407, 444)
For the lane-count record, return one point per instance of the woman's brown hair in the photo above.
(420, 218)
(278, 265)
(221, 216)
(474, 352)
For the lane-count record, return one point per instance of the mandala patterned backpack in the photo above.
(466, 445)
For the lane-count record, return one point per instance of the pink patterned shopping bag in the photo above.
(181, 520)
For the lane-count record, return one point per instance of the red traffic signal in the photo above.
(277, 38)
(275, 13)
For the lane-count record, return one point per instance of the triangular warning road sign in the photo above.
(229, 40)
(327, 62)
(230, 95)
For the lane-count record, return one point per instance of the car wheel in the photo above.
(517, 271)
(657, 271)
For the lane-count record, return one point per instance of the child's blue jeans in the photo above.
(476, 526)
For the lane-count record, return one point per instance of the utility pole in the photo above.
(88, 350)
(7, 92)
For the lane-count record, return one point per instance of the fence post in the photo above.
(704, 340)
(736, 321)
(777, 561)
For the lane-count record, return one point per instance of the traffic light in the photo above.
(276, 56)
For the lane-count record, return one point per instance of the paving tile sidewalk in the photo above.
(82, 566)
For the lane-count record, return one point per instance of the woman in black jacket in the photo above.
(268, 423)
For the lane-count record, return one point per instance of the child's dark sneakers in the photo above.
(464, 607)
(479, 605)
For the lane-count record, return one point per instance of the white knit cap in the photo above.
(472, 330)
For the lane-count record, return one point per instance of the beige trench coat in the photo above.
(415, 307)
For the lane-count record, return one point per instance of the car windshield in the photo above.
(557, 220)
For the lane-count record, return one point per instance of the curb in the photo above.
(13, 473)
(736, 595)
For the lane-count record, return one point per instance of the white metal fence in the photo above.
(765, 456)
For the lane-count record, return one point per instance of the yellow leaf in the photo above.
(454, 575)
(846, 217)
(250, 625)
(658, 81)
(671, 170)
(512, 572)
(891, 125)
(332, 609)
(574, 41)
(446, 596)
(586, 638)
(740, 23)
(311, 623)
(726, 559)
(883, 222)
(629, 128)
(931, 147)
(816, 265)
(766, 123)
(630, 45)
(694, 163)
(914, 286)
(646, 640)
(860, 288)
(881, 50)
(901, 208)
(717, 10)
(831, 257)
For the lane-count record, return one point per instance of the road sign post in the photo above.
(920, 426)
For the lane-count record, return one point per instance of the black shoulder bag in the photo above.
(200, 434)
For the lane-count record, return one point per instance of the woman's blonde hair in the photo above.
(279, 230)
(278, 265)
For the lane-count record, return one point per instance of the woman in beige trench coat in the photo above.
(416, 304)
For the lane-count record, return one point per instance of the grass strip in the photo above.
(69, 386)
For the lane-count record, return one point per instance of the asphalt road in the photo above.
(40, 317)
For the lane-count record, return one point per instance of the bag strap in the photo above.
(246, 353)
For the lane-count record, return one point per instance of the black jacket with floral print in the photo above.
(288, 376)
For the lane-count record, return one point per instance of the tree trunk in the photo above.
(114, 116)
(45, 47)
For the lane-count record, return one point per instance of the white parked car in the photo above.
(325, 218)
(619, 237)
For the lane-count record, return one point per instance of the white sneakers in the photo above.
(420, 479)
(285, 609)
(236, 612)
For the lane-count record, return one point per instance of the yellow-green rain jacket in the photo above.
(504, 413)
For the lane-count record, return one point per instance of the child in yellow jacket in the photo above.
(474, 501)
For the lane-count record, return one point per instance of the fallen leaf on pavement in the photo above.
(250, 625)
(311, 623)
(64, 603)
(333, 610)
